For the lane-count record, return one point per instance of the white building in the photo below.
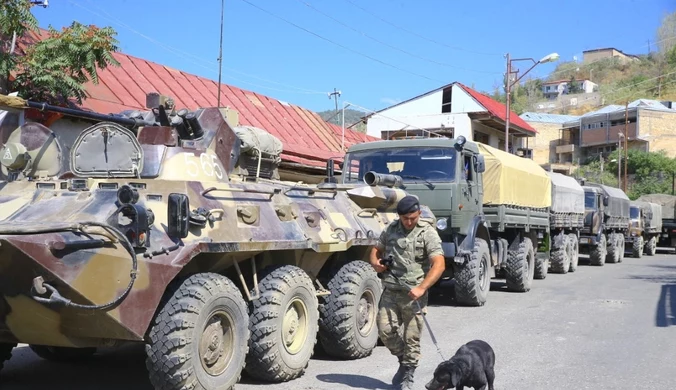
(553, 89)
(451, 110)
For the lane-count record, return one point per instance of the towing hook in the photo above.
(40, 288)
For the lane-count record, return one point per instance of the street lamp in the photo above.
(548, 58)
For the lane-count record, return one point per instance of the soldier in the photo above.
(418, 261)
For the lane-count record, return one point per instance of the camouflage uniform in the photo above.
(399, 320)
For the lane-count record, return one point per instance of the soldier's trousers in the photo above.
(400, 324)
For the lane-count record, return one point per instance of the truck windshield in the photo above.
(633, 212)
(590, 200)
(411, 163)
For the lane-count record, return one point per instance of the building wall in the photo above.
(659, 129)
(460, 123)
(597, 55)
(545, 141)
(426, 105)
(464, 102)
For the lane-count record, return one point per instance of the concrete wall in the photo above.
(425, 105)
(659, 129)
(545, 141)
(464, 102)
(566, 103)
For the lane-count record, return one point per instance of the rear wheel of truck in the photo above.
(5, 352)
(637, 247)
(597, 255)
(520, 266)
(574, 252)
(613, 255)
(198, 340)
(347, 317)
(651, 246)
(541, 268)
(62, 354)
(620, 246)
(284, 324)
(473, 280)
(560, 257)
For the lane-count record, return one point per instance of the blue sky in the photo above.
(382, 51)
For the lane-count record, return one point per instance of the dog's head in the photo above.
(447, 375)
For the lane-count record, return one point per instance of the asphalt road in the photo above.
(611, 327)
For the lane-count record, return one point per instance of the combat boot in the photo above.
(396, 379)
(407, 380)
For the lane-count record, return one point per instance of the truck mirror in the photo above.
(178, 213)
(479, 163)
(605, 200)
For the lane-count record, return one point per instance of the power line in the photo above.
(392, 46)
(184, 55)
(419, 35)
(338, 44)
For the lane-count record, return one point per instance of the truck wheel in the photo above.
(620, 247)
(520, 267)
(541, 268)
(283, 324)
(597, 256)
(473, 280)
(574, 252)
(651, 246)
(198, 340)
(637, 247)
(5, 352)
(561, 256)
(62, 354)
(347, 317)
(613, 255)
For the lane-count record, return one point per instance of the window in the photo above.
(446, 100)
(633, 212)
(590, 200)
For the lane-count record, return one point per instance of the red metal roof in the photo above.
(307, 138)
(497, 109)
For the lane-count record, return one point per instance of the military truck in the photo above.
(165, 227)
(567, 219)
(667, 238)
(492, 208)
(606, 222)
(645, 226)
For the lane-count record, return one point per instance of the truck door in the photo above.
(469, 185)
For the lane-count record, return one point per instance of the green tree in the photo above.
(56, 68)
(572, 86)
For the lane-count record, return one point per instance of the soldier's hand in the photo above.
(379, 267)
(416, 292)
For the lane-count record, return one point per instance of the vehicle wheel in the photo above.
(613, 255)
(575, 252)
(637, 248)
(560, 257)
(620, 247)
(283, 324)
(541, 268)
(5, 352)
(198, 340)
(62, 354)
(347, 317)
(520, 267)
(597, 256)
(473, 280)
(651, 246)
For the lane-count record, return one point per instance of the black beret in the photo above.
(408, 204)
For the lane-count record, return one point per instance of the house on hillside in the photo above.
(308, 140)
(556, 88)
(452, 110)
(608, 52)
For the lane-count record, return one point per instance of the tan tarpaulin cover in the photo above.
(513, 180)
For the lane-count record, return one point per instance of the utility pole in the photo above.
(626, 143)
(507, 94)
(220, 57)
(334, 95)
(601, 161)
(619, 160)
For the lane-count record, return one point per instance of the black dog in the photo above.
(471, 366)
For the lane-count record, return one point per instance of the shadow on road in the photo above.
(666, 307)
(354, 381)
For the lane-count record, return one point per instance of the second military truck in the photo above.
(492, 207)
(644, 228)
(567, 219)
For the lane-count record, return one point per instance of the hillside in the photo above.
(351, 116)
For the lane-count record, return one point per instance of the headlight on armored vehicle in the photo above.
(442, 223)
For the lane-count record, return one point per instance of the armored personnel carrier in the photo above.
(167, 228)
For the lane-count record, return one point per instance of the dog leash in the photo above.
(429, 328)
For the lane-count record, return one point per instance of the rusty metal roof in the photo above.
(307, 138)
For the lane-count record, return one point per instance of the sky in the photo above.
(375, 52)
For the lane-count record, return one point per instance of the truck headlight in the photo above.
(442, 223)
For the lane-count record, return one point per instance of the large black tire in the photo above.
(541, 268)
(651, 246)
(198, 340)
(620, 247)
(560, 257)
(62, 354)
(613, 255)
(597, 255)
(283, 324)
(5, 353)
(347, 317)
(520, 268)
(637, 247)
(473, 280)
(574, 251)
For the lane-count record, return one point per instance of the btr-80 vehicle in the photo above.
(164, 227)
